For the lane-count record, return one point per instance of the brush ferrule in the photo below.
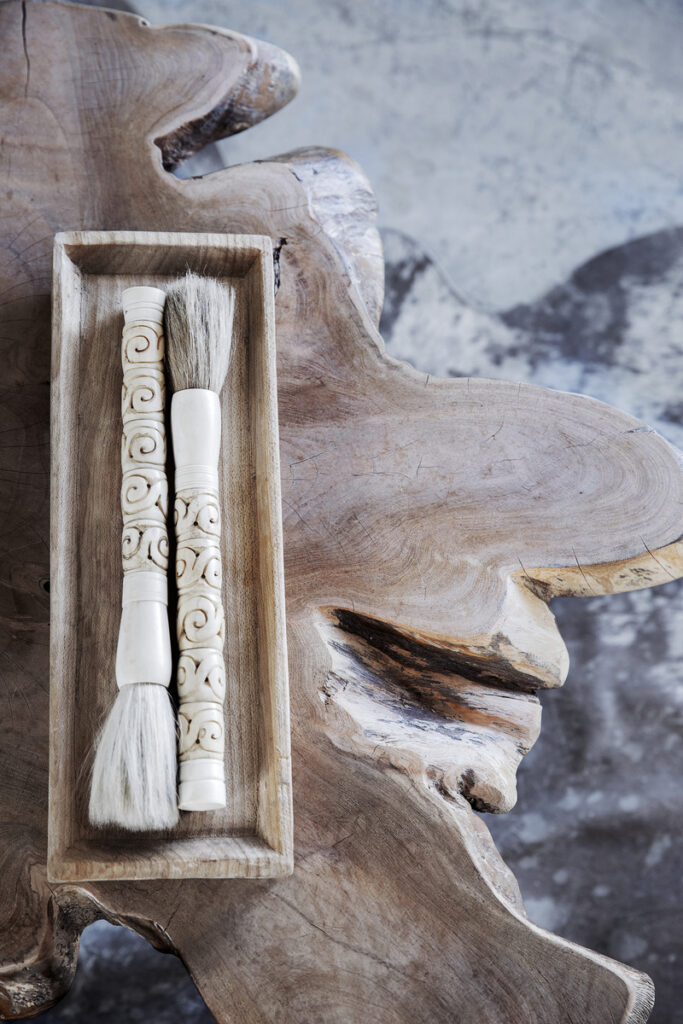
(143, 654)
(144, 586)
(196, 433)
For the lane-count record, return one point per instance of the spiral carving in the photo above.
(144, 492)
(201, 731)
(142, 342)
(196, 515)
(144, 546)
(143, 442)
(198, 563)
(200, 624)
(143, 391)
(201, 676)
(144, 486)
(200, 620)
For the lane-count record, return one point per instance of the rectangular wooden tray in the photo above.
(252, 836)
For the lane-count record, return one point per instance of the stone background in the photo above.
(510, 144)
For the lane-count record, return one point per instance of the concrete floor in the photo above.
(547, 132)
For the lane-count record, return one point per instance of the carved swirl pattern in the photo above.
(197, 562)
(201, 731)
(200, 620)
(144, 546)
(143, 441)
(201, 676)
(197, 515)
(143, 392)
(144, 487)
(200, 625)
(144, 491)
(142, 342)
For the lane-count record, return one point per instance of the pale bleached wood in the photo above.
(423, 521)
(252, 835)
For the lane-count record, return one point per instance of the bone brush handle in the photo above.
(143, 653)
(196, 433)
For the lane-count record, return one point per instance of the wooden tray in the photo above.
(252, 836)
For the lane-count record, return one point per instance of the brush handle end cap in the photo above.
(143, 303)
(201, 795)
(202, 784)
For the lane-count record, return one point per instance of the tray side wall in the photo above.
(66, 300)
(275, 800)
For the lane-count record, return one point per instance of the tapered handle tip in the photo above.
(201, 796)
(202, 784)
(143, 303)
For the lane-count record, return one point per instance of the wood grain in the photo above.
(252, 835)
(426, 525)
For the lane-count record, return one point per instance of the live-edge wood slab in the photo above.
(426, 525)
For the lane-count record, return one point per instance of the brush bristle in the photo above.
(134, 773)
(198, 326)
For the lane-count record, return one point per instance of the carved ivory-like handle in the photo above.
(196, 432)
(143, 653)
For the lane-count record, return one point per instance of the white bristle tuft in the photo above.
(134, 774)
(198, 320)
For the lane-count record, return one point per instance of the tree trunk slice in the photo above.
(427, 523)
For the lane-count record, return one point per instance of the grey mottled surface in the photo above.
(508, 145)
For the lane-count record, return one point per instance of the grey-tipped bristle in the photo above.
(198, 326)
(134, 773)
